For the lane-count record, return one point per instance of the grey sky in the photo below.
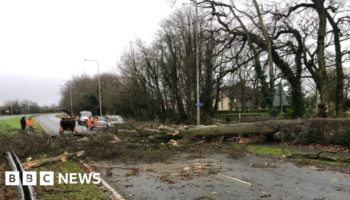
(43, 42)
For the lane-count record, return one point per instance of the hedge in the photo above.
(244, 115)
(237, 111)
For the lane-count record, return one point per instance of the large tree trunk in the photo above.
(321, 72)
(227, 130)
(339, 68)
(269, 47)
(297, 96)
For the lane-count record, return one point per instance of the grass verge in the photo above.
(14, 123)
(278, 153)
(61, 115)
(67, 191)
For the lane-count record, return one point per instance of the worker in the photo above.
(89, 123)
(95, 123)
(23, 123)
(29, 122)
(30, 125)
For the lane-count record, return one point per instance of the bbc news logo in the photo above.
(48, 177)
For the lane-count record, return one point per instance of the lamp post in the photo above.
(71, 101)
(197, 62)
(99, 85)
(71, 98)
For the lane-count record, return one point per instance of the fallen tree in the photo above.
(226, 130)
(315, 130)
(62, 158)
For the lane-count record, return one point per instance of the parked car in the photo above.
(113, 120)
(101, 123)
(83, 116)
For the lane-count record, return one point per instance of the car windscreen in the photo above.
(85, 114)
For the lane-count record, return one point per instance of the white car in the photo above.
(114, 119)
(101, 123)
(83, 117)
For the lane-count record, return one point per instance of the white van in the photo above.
(83, 117)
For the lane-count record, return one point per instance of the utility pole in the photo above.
(316, 100)
(197, 62)
(282, 134)
(71, 101)
(99, 84)
(70, 94)
(279, 101)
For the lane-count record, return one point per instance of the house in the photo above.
(231, 97)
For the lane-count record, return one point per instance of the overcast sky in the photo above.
(43, 42)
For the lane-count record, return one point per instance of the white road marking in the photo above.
(116, 195)
(54, 118)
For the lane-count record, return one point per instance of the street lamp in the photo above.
(99, 85)
(71, 101)
(197, 62)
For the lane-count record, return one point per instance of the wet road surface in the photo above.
(274, 179)
(52, 124)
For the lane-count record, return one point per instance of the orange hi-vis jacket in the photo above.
(89, 122)
(29, 122)
(95, 122)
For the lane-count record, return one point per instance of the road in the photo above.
(52, 124)
(269, 179)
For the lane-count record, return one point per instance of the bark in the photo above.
(208, 90)
(269, 45)
(297, 95)
(339, 68)
(227, 130)
(321, 72)
(251, 39)
(63, 157)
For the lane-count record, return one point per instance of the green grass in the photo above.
(61, 115)
(278, 153)
(82, 191)
(269, 151)
(15, 123)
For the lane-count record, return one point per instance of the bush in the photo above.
(305, 137)
(344, 138)
(222, 112)
(244, 115)
(321, 131)
(274, 112)
(263, 111)
(227, 119)
(226, 112)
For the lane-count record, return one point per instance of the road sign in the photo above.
(280, 97)
(199, 104)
